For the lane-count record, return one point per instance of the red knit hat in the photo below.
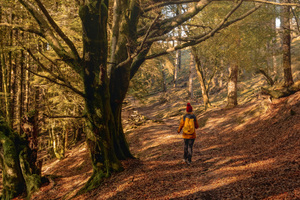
(189, 108)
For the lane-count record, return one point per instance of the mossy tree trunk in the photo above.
(121, 75)
(100, 118)
(19, 173)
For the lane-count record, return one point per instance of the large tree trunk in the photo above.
(232, 85)
(103, 99)
(13, 181)
(115, 33)
(119, 83)
(30, 128)
(19, 173)
(286, 45)
(100, 119)
(121, 75)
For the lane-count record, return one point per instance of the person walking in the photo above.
(188, 125)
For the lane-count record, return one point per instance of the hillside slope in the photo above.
(243, 153)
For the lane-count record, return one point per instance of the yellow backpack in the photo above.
(189, 126)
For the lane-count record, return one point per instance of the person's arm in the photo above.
(196, 123)
(180, 125)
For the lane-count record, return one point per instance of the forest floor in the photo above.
(249, 152)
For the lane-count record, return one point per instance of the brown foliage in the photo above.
(237, 155)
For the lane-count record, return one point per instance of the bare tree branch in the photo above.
(55, 77)
(275, 3)
(58, 30)
(50, 37)
(166, 3)
(22, 28)
(147, 34)
(53, 63)
(202, 38)
(115, 34)
(64, 116)
(173, 2)
(198, 26)
(43, 66)
(167, 25)
(139, 48)
(58, 83)
(173, 38)
(296, 19)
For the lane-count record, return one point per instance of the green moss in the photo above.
(32, 180)
(117, 167)
(18, 173)
(13, 183)
(94, 182)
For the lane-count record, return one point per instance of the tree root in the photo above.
(282, 92)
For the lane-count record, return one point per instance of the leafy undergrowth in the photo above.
(248, 152)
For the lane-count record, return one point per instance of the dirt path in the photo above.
(238, 154)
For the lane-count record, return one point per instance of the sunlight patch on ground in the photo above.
(215, 159)
(157, 163)
(264, 164)
(82, 149)
(217, 183)
(223, 161)
(76, 153)
(75, 180)
(295, 194)
(213, 122)
(163, 140)
(127, 182)
(50, 166)
(222, 182)
(77, 183)
(212, 147)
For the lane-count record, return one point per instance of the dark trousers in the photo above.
(188, 149)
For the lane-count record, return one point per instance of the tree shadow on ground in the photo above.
(67, 175)
(233, 159)
(259, 160)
